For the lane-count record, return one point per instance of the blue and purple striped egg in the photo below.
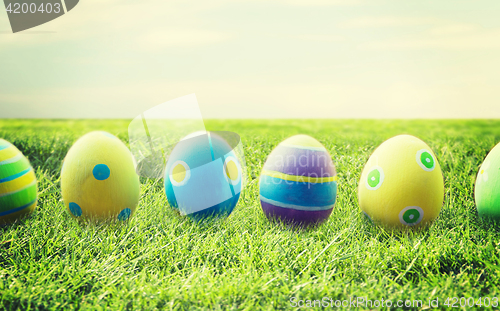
(18, 191)
(298, 183)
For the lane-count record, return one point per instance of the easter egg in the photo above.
(487, 190)
(18, 192)
(98, 178)
(298, 183)
(401, 184)
(203, 176)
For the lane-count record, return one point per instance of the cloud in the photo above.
(320, 37)
(145, 26)
(97, 63)
(442, 34)
(387, 21)
(167, 38)
(257, 99)
(449, 37)
(321, 2)
(455, 29)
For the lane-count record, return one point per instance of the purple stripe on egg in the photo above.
(289, 215)
(300, 162)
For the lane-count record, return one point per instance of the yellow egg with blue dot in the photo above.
(98, 178)
(203, 176)
(402, 184)
(18, 189)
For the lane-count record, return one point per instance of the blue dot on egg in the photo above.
(75, 209)
(124, 214)
(101, 171)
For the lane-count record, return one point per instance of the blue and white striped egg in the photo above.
(203, 176)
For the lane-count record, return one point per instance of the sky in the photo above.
(257, 59)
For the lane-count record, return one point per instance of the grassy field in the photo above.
(159, 260)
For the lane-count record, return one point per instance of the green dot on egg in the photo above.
(411, 216)
(427, 159)
(374, 178)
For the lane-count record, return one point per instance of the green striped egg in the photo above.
(18, 190)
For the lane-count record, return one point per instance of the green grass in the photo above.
(159, 260)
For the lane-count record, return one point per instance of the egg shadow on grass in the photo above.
(206, 222)
(20, 221)
(293, 225)
(12, 226)
(385, 233)
(487, 223)
(100, 223)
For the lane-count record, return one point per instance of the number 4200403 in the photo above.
(15, 8)
(471, 302)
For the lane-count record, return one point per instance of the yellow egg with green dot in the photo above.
(402, 184)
